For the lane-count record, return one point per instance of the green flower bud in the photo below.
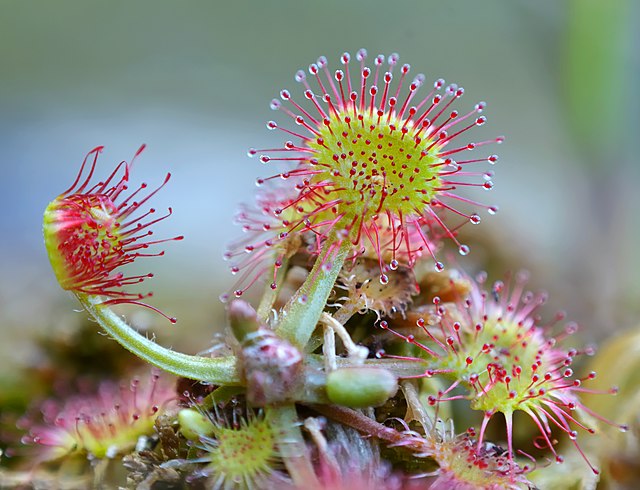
(360, 387)
(242, 319)
(194, 424)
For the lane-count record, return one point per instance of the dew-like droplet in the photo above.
(384, 279)
(393, 265)
(492, 210)
(480, 106)
(439, 266)
(302, 299)
(463, 249)
(474, 219)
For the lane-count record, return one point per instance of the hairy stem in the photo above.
(221, 370)
(301, 314)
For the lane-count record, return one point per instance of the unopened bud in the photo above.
(273, 368)
(243, 319)
(194, 424)
(359, 387)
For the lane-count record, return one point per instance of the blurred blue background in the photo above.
(193, 81)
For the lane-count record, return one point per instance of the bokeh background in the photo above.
(193, 81)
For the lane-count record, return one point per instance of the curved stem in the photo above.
(221, 370)
(302, 312)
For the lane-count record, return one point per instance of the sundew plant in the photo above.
(373, 358)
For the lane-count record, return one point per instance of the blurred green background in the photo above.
(193, 81)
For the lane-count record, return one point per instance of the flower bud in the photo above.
(273, 368)
(242, 319)
(359, 387)
(194, 424)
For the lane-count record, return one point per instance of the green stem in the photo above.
(301, 314)
(402, 368)
(221, 370)
(291, 446)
